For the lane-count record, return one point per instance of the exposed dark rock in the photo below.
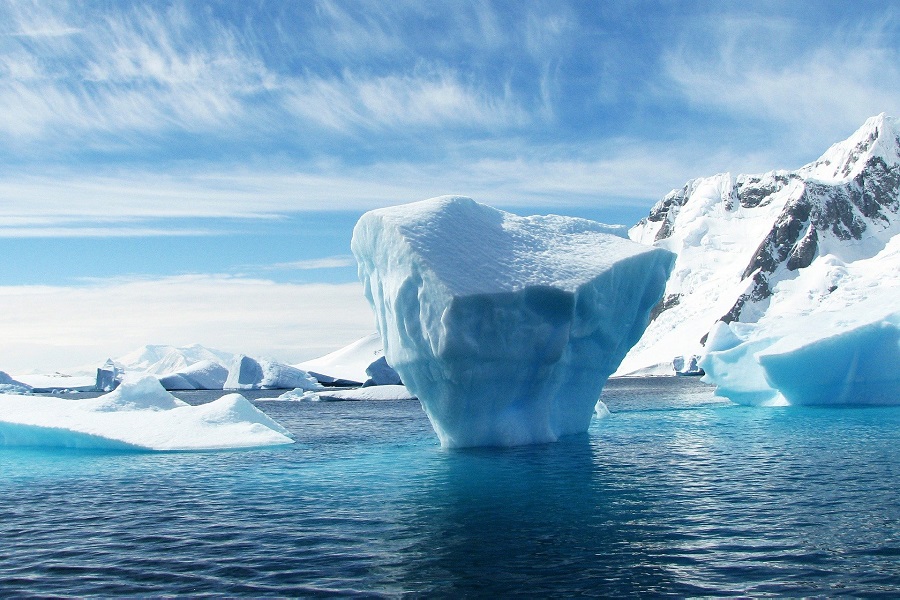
(664, 305)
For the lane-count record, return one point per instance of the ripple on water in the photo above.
(675, 493)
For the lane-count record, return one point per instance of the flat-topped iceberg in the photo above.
(138, 415)
(363, 394)
(505, 327)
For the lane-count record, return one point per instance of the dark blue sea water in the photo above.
(676, 493)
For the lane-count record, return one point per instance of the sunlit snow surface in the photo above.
(505, 327)
(832, 336)
(139, 415)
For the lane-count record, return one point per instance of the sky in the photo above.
(190, 172)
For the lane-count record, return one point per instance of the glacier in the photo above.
(744, 242)
(504, 327)
(138, 415)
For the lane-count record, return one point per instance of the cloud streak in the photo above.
(50, 327)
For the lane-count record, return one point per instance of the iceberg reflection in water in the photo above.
(676, 492)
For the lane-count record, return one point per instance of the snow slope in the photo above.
(139, 415)
(833, 338)
(505, 327)
(741, 240)
(349, 363)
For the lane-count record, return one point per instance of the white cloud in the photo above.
(48, 327)
(815, 93)
(330, 262)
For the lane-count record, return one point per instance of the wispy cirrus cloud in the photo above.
(328, 262)
(815, 90)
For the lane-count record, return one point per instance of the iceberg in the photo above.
(831, 336)
(138, 415)
(250, 374)
(348, 365)
(381, 373)
(204, 375)
(505, 327)
(8, 385)
(380, 392)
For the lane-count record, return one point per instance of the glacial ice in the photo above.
(204, 375)
(380, 392)
(505, 327)
(138, 415)
(830, 336)
(8, 385)
(250, 374)
(348, 365)
(381, 373)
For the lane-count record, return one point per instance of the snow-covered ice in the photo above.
(381, 373)
(250, 374)
(739, 238)
(379, 392)
(138, 415)
(8, 385)
(505, 327)
(348, 364)
(830, 336)
(203, 375)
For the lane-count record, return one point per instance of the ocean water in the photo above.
(676, 493)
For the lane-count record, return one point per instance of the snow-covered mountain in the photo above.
(741, 240)
(163, 360)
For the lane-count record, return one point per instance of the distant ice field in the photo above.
(677, 492)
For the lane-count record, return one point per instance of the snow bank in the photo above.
(140, 415)
(250, 374)
(380, 392)
(204, 375)
(505, 327)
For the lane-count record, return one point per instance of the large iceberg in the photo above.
(505, 327)
(204, 375)
(250, 374)
(138, 415)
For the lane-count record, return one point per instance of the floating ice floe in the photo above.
(250, 374)
(505, 327)
(378, 392)
(138, 415)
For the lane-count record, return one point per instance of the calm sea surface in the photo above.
(676, 493)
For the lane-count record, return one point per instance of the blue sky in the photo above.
(223, 145)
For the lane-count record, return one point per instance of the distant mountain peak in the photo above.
(878, 138)
(741, 240)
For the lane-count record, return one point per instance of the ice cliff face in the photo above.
(741, 240)
(505, 327)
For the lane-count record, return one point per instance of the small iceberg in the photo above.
(377, 392)
(139, 415)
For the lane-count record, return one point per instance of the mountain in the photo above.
(741, 239)
(163, 360)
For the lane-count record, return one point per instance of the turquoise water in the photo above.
(677, 493)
